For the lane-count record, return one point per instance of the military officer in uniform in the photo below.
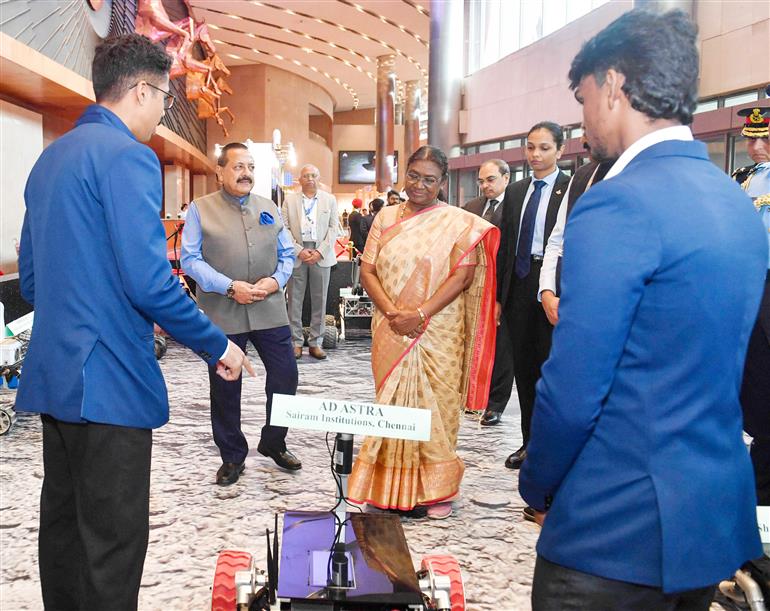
(755, 390)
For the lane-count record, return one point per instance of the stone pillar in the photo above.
(445, 73)
(173, 189)
(411, 119)
(199, 186)
(385, 112)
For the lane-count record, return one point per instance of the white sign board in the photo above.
(342, 416)
(763, 519)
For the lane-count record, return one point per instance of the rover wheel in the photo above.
(223, 591)
(6, 420)
(331, 334)
(446, 564)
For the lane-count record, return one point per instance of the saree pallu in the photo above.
(445, 369)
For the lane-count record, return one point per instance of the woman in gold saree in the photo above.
(429, 268)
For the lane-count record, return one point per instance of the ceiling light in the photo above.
(234, 56)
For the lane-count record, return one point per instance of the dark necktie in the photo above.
(490, 211)
(527, 231)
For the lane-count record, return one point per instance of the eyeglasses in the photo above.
(309, 176)
(168, 97)
(427, 181)
(489, 180)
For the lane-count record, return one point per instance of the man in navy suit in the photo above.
(636, 449)
(93, 263)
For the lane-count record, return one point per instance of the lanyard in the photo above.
(309, 211)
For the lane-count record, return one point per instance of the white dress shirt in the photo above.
(545, 197)
(677, 132)
(555, 247)
(498, 199)
(309, 219)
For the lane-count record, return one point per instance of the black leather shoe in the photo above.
(515, 460)
(491, 418)
(283, 458)
(229, 473)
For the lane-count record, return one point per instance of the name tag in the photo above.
(341, 416)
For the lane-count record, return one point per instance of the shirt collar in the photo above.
(677, 132)
(498, 199)
(241, 201)
(549, 180)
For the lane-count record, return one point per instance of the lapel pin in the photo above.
(558, 192)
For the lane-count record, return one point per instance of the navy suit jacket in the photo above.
(93, 264)
(636, 433)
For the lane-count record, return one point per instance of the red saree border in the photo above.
(399, 508)
(480, 377)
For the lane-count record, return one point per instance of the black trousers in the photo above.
(557, 588)
(94, 515)
(502, 371)
(276, 350)
(755, 397)
(530, 334)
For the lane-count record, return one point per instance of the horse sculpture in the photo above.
(205, 77)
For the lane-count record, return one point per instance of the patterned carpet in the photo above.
(192, 519)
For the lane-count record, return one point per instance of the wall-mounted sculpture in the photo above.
(205, 82)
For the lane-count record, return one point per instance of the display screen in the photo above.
(357, 167)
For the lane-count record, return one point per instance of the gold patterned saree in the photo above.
(445, 369)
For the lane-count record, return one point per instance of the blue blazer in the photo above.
(93, 264)
(636, 433)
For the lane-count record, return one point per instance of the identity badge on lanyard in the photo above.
(309, 211)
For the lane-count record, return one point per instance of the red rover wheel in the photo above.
(448, 565)
(223, 592)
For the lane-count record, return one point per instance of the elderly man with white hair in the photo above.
(311, 218)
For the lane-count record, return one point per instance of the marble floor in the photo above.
(192, 519)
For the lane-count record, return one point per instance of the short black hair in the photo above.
(554, 128)
(430, 153)
(121, 61)
(392, 192)
(657, 55)
(376, 204)
(231, 146)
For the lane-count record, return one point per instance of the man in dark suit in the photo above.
(493, 180)
(529, 216)
(356, 223)
(91, 369)
(636, 449)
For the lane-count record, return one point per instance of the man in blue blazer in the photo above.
(636, 449)
(92, 262)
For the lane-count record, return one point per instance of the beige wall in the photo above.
(266, 98)
(531, 85)
(735, 45)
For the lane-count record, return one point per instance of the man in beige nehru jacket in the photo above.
(311, 218)
(237, 249)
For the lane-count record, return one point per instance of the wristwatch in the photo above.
(230, 291)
